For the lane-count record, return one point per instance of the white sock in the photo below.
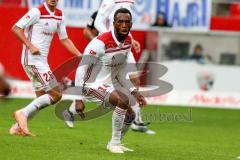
(36, 105)
(72, 108)
(129, 118)
(125, 129)
(137, 111)
(117, 124)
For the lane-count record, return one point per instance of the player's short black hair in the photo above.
(122, 10)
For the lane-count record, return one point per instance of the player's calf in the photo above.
(129, 118)
(55, 95)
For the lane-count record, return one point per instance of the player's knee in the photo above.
(129, 118)
(124, 104)
(56, 97)
(79, 106)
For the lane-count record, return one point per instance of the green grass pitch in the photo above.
(209, 134)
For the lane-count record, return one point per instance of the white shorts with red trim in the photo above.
(41, 77)
(100, 94)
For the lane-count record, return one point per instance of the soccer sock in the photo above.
(36, 105)
(140, 116)
(125, 129)
(117, 124)
(137, 111)
(127, 123)
(72, 108)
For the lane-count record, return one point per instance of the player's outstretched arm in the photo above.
(19, 33)
(68, 44)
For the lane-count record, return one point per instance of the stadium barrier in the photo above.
(194, 85)
(200, 85)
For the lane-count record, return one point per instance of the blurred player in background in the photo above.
(90, 31)
(105, 61)
(35, 30)
(100, 22)
(4, 85)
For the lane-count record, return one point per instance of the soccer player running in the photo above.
(35, 30)
(90, 31)
(104, 81)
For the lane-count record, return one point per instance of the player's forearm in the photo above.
(19, 33)
(68, 44)
(125, 82)
(135, 80)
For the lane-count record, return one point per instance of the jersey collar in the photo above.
(45, 5)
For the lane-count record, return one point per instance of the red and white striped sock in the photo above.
(117, 124)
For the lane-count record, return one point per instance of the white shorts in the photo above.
(41, 77)
(100, 93)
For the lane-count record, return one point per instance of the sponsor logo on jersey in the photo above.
(47, 33)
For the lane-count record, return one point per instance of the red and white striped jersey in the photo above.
(104, 19)
(40, 25)
(104, 61)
